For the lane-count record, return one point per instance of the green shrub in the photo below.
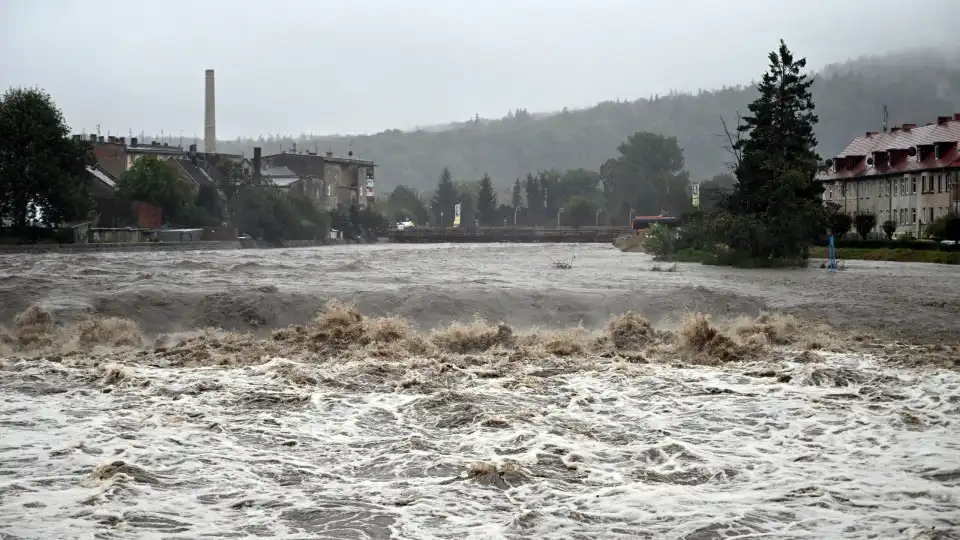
(889, 228)
(660, 241)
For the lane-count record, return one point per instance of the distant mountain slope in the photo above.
(916, 86)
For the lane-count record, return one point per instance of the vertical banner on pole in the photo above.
(456, 215)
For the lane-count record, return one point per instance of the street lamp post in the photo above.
(515, 210)
(558, 216)
(598, 218)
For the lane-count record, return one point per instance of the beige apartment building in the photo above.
(909, 174)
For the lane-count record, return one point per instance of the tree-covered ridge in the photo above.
(916, 86)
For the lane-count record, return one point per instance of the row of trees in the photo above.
(647, 177)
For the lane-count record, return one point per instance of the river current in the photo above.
(165, 395)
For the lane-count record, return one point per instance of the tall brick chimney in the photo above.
(209, 115)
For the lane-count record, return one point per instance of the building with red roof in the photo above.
(909, 174)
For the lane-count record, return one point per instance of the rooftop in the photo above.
(947, 129)
(195, 171)
(280, 175)
(102, 176)
(903, 149)
(329, 158)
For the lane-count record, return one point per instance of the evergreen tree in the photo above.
(777, 162)
(535, 200)
(517, 194)
(487, 202)
(444, 199)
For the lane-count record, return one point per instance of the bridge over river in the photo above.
(507, 234)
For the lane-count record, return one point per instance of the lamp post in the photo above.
(515, 210)
(598, 218)
(558, 216)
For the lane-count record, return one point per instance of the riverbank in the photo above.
(889, 254)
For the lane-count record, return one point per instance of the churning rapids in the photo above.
(350, 393)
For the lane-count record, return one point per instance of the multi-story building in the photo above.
(910, 174)
(336, 182)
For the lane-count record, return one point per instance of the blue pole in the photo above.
(833, 256)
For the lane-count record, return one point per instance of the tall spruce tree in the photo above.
(444, 199)
(517, 194)
(486, 202)
(535, 200)
(776, 196)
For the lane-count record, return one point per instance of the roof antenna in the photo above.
(885, 118)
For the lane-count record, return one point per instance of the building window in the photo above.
(843, 190)
(939, 183)
(903, 186)
(913, 215)
(913, 187)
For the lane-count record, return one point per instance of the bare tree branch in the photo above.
(733, 141)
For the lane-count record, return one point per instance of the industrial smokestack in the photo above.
(209, 116)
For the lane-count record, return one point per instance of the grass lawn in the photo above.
(887, 254)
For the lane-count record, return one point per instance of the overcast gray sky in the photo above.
(356, 66)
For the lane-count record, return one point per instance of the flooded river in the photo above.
(350, 393)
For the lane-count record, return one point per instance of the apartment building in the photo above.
(908, 174)
(336, 182)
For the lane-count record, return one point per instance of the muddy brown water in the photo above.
(254, 290)
(126, 444)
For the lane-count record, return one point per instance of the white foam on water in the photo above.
(847, 448)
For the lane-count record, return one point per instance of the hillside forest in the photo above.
(916, 86)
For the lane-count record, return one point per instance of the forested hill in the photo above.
(916, 86)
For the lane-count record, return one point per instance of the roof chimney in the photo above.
(908, 127)
(209, 116)
(871, 133)
(256, 165)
